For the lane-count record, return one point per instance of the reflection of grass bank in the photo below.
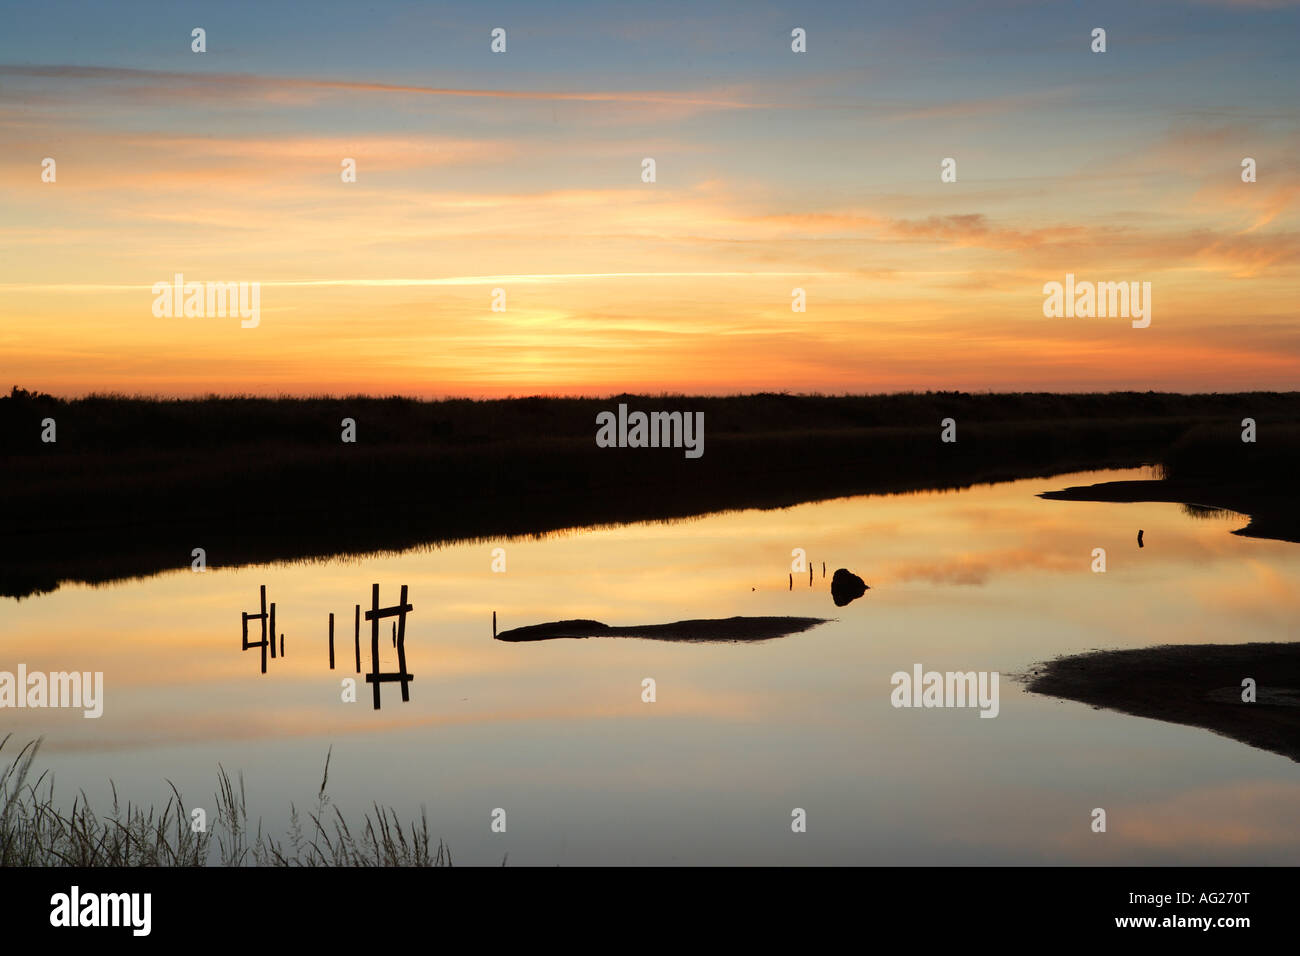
(1210, 471)
(33, 832)
(1203, 513)
(1195, 684)
(1272, 508)
(131, 486)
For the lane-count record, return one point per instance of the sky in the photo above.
(522, 171)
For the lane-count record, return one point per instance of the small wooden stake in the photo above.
(400, 641)
(263, 616)
(373, 615)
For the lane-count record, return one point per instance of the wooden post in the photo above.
(823, 569)
(401, 648)
(376, 676)
(282, 645)
(810, 577)
(331, 640)
(263, 616)
(244, 618)
(374, 636)
(494, 623)
(272, 630)
(791, 580)
(357, 637)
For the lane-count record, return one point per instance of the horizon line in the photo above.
(384, 396)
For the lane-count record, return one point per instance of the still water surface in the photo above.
(556, 733)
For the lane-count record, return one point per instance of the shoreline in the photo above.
(1197, 685)
(1269, 512)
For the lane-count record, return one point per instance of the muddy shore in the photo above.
(1199, 685)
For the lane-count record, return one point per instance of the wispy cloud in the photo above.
(181, 84)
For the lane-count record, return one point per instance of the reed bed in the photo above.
(34, 831)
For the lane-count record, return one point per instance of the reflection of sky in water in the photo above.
(988, 579)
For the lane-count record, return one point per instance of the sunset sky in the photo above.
(522, 171)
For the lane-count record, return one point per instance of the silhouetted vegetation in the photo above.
(133, 484)
(1208, 452)
(34, 832)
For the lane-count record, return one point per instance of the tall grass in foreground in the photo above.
(33, 832)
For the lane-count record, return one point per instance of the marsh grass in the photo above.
(1205, 512)
(35, 832)
(251, 478)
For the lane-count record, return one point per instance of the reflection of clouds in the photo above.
(1256, 591)
(975, 568)
(1259, 816)
(263, 721)
(992, 530)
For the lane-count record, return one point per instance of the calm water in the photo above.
(556, 733)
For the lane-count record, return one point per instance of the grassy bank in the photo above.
(133, 485)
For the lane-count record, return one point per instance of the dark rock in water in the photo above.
(847, 586)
